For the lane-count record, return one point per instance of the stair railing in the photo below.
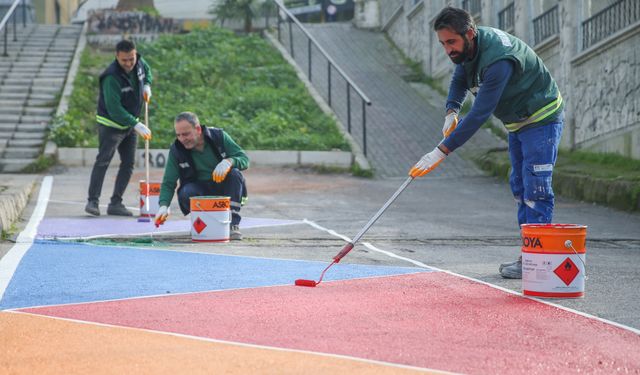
(11, 14)
(285, 16)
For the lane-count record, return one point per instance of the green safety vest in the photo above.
(531, 95)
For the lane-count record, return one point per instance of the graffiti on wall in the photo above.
(109, 21)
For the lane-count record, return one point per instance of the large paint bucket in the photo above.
(154, 195)
(210, 219)
(553, 260)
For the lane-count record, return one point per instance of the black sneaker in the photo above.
(235, 234)
(118, 210)
(92, 208)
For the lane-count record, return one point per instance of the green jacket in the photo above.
(120, 100)
(204, 161)
(531, 95)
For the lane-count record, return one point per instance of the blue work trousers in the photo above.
(533, 154)
(232, 186)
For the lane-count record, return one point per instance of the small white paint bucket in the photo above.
(553, 260)
(210, 218)
(153, 190)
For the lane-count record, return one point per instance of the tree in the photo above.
(135, 4)
(239, 9)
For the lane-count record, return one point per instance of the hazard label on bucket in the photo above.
(567, 271)
(199, 225)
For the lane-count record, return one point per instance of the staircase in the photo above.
(31, 80)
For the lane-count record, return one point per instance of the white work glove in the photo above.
(450, 123)
(144, 132)
(161, 215)
(146, 93)
(427, 163)
(221, 170)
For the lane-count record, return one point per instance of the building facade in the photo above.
(590, 47)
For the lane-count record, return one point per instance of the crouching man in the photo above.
(206, 161)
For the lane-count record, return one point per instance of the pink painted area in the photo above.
(430, 320)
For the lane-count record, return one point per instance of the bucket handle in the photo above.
(569, 245)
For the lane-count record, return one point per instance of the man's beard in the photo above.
(464, 55)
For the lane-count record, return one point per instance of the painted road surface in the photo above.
(76, 307)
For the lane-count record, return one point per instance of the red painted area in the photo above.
(431, 320)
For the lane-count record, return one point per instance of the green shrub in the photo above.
(239, 83)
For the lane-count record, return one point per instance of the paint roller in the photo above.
(347, 248)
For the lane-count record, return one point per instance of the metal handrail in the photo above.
(615, 17)
(324, 53)
(546, 25)
(506, 17)
(311, 41)
(5, 20)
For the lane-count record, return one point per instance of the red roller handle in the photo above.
(345, 250)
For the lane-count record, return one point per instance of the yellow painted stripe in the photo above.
(34, 344)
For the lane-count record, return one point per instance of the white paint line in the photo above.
(9, 263)
(236, 343)
(420, 264)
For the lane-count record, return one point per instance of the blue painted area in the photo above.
(54, 273)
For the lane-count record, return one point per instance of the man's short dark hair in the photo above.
(125, 46)
(456, 19)
(189, 117)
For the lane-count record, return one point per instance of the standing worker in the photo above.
(206, 161)
(511, 82)
(123, 87)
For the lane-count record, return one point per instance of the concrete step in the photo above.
(35, 119)
(21, 152)
(42, 96)
(21, 81)
(29, 135)
(53, 71)
(10, 118)
(15, 110)
(25, 143)
(11, 103)
(13, 95)
(48, 81)
(14, 88)
(25, 71)
(40, 111)
(8, 165)
(7, 128)
(46, 89)
(41, 102)
(31, 127)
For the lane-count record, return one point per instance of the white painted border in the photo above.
(10, 261)
(420, 264)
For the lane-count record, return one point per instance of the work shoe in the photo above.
(118, 210)
(513, 271)
(235, 234)
(507, 264)
(92, 208)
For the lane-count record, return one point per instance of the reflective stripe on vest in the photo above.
(540, 115)
(106, 122)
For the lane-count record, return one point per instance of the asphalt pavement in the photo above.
(463, 225)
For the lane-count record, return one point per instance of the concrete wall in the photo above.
(599, 85)
(606, 96)
(55, 11)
